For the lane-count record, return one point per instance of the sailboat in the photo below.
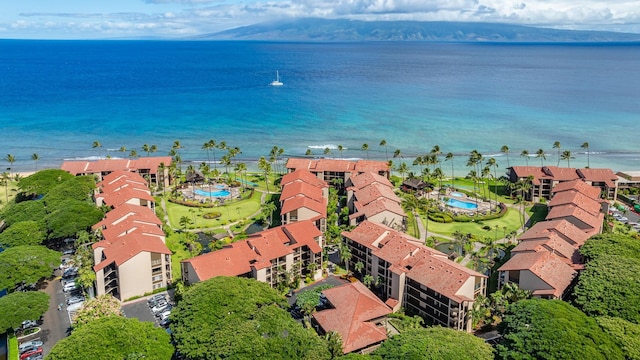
(277, 81)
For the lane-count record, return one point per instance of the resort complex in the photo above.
(152, 169)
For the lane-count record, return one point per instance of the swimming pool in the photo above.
(462, 204)
(219, 193)
(457, 194)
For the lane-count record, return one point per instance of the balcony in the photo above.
(111, 283)
(156, 262)
(108, 271)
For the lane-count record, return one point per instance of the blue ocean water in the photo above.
(58, 97)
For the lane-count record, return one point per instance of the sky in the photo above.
(100, 19)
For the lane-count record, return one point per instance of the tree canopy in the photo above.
(70, 217)
(97, 308)
(434, 343)
(626, 334)
(24, 211)
(42, 181)
(238, 318)
(76, 188)
(20, 306)
(114, 338)
(553, 329)
(26, 264)
(609, 285)
(23, 233)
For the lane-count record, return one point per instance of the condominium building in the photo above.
(410, 275)
(547, 259)
(276, 255)
(304, 197)
(154, 169)
(336, 172)
(371, 197)
(545, 178)
(132, 258)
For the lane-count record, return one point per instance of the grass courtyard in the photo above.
(499, 227)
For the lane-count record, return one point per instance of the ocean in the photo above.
(58, 97)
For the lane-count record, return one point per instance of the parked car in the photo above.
(156, 298)
(165, 323)
(623, 219)
(75, 300)
(163, 309)
(69, 286)
(159, 306)
(69, 252)
(36, 343)
(165, 315)
(31, 354)
(27, 324)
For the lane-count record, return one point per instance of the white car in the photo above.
(623, 219)
(165, 315)
(159, 306)
(29, 344)
(70, 286)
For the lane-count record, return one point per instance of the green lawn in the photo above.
(231, 212)
(511, 220)
(490, 186)
(179, 253)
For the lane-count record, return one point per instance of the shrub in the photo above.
(212, 215)
(192, 204)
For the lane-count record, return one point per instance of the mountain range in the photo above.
(314, 29)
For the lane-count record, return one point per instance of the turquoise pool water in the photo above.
(462, 204)
(457, 194)
(219, 193)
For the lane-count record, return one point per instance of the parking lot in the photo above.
(140, 309)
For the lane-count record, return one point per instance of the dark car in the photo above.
(165, 323)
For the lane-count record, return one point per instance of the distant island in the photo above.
(314, 29)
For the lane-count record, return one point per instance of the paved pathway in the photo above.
(55, 325)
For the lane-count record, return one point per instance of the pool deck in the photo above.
(189, 193)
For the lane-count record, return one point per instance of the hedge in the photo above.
(192, 204)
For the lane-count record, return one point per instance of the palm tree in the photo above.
(96, 145)
(359, 266)
(184, 222)
(566, 155)
(367, 280)
(525, 155)
(540, 154)
(419, 162)
(308, 152)
(265, 166)
(365, 147)
(4, 179)
(556, 145)
(133, 154)
(327, 151)
(397, 153)
(493, 163)
(10, 159)
(242, 169)
(436, 152)
(175, 148)
(505, 149)
(402, 169)
(341, 149)
(152, 149)
(383, 142)
(267, 210)
(146, 148)
(450, 157)
(123, 149)
(35, 158)
(345, 256)
(585, 146)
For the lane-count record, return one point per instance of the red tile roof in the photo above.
(111, 165)
(303, 176)
(546, 266)
(120, 175)
(377, 207)
(138, 213)
(560, 173)
(368, 178)
(123, 195)
(337, 165)
(577, 185)
(599, 175)
(576, 198)
(302, 201)
(123, 248)
(257, 251)
(570, 210)
(354, 309)
(553, 243)
(373, 192)
(562, 227)
(425, 265)
(301, 188)
(130, 225)
(526, 171)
